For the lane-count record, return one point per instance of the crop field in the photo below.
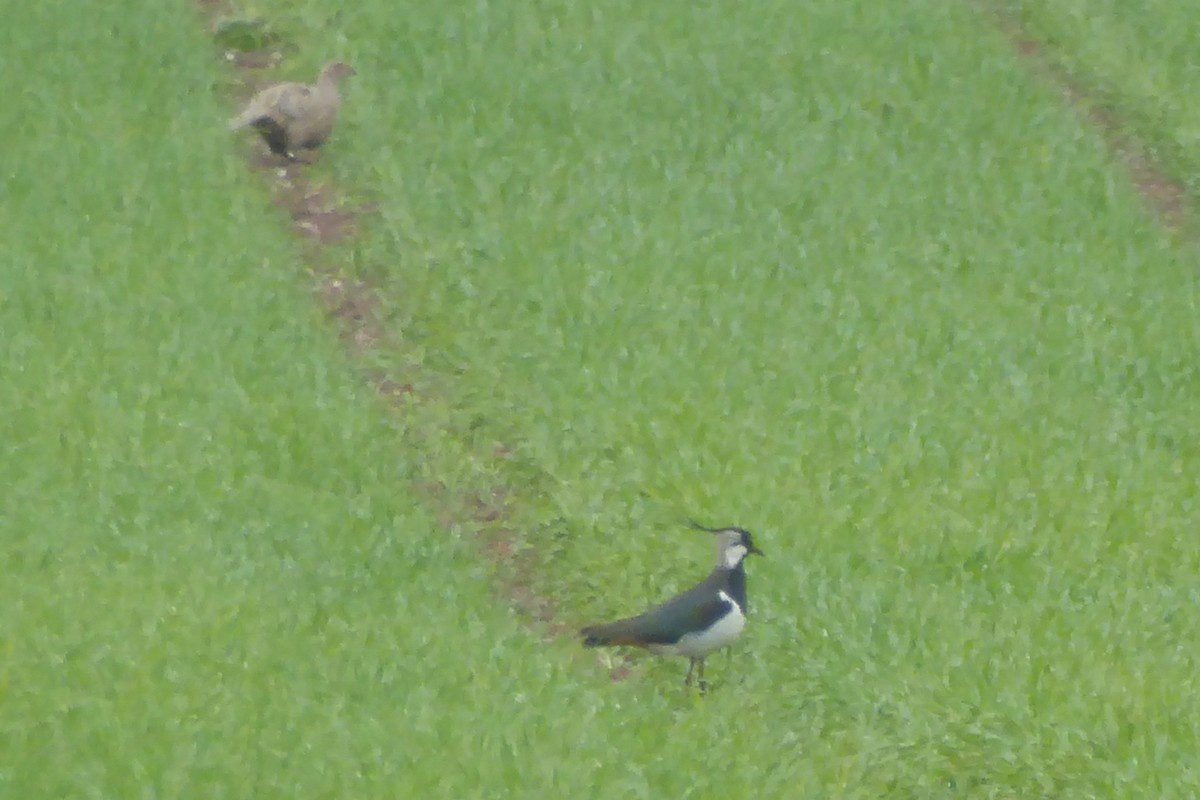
(867, 279)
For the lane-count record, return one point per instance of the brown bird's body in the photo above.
(295, 116)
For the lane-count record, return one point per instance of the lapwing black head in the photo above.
(705, 618)
(733, 544)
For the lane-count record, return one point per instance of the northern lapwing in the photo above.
(703, 619)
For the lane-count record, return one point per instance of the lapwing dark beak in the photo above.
(757, 552)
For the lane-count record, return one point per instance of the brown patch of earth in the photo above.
(255, 59)
(353, 306)
(315, 210)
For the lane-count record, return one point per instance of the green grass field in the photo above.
(850, 275)
(1138, 60)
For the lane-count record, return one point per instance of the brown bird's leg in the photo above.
(691, 666)
(703, 683)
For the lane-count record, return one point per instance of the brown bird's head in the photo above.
(335, 72)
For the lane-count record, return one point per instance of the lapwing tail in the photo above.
(612, 634)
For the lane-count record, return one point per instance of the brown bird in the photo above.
(295, 116)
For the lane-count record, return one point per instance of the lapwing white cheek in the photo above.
(734, 555)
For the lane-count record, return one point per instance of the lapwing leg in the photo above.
(691, 666)
(703, 683)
